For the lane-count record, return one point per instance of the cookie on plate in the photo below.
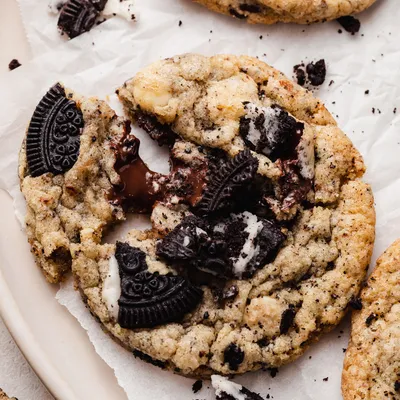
(296, 11)
(260, 250)
(372, 363)
(66, 171)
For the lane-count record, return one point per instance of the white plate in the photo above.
(51, 339)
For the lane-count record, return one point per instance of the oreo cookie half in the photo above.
(149, 299)
(53, 138)
(79, 16)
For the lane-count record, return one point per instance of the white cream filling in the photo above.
(253, 228)
(306, 156)
(224, 385)
(122, 8)
(186, 241)
(112, 288)
(271, 124)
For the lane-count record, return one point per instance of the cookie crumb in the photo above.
(14, 64)
(180, 23)
(197, 386)
(350, 24)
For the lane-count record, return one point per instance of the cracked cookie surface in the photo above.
(64, 197)
(282, 184)
(296, 11)
(372, 362)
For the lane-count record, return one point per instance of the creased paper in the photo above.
(98, 62)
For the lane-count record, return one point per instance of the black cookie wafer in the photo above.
(53, 138)
(150, 299)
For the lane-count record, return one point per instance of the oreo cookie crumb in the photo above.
(14, 64)
(300, 74)
(273, 372)
(371, 318)
(197, 386)
(251, 8)
(397, 386)
(355, 303)
(236, 14)
(316, 72)
(326, 379)
(233, 356)
(350, 24)
(366, 92)
(180, 23)
(287, 320)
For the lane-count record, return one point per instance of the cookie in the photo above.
(228, 390)
(372, 362)
(66, 171)
(3, 396)
(262, 225)
(296, 11)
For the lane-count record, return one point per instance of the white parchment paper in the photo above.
(98, 62)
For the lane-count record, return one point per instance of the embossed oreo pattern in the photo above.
(53, 139)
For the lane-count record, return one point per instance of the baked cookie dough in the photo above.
(296, 11)
(261, 250)
(372, 363)
(66, 170)
(3, 396)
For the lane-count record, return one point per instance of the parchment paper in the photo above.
(97, 63)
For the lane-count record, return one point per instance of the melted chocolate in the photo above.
(140, 187)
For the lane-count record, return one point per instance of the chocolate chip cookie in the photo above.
(372, 362)
(262, 232)
(66, 171)
(296, 11)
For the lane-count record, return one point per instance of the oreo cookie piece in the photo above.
(236, 246)
(228, 390)
(53, 138)
(270, 131)
(316, 72)
(150, 299)
(224, 183)
(79, 16)
(350, 24)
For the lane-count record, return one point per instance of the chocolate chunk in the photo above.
(270, 131)
(287, 320)
(355, 303)
(316, 72)
(14, 64)
(397, 386)
(232, 177)
(300, 74)
(150, 299)
(79, 16)
(159, 132)
(230, 293)
(197, 386)
(145, 357)
(236, 13)
(233, 356)
(53, 138)
(371, 318)
(350, 24)
(251, 8)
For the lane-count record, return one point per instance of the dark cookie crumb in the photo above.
(234, 356)
(371, 318)
(180, 23)
(316, 72)
(326, 379)
(397, 386)
(197, 386)
(273, 372)
(366, 92)
(236, 14)
(350, 24)
(252, 8)
(287, 319)
(355, 303)
(300, 74)
(14, 64)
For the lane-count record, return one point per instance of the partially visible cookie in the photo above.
(66, 171)
(297, 11)
(3, 396)
(372, 363)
